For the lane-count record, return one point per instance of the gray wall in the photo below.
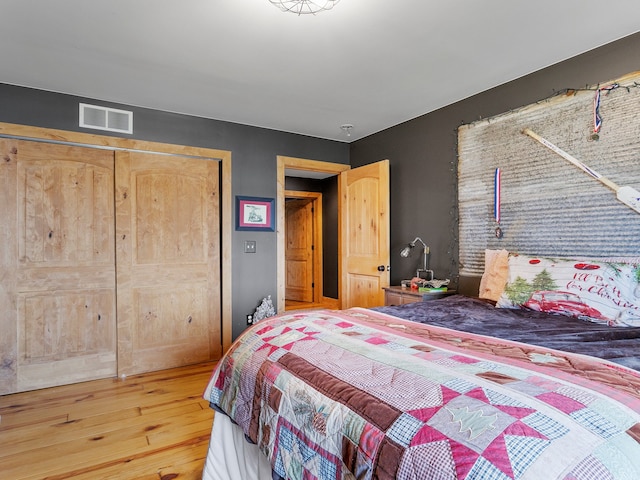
(254, 152)
(423, 154)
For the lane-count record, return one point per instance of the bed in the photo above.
(447, 389)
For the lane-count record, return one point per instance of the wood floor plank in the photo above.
(25, 412)
(178, 462)
(9, 421)
(150, 426)
(38, 436)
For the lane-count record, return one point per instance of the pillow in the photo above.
(604, 292)
(494, 278)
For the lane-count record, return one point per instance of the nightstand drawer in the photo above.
(396, 295)
(400, 296)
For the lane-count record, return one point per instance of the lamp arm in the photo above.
(425, 252)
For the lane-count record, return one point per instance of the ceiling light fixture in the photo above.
(304, 7)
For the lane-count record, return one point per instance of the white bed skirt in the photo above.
(231, 457)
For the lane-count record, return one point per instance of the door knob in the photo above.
(381, 268)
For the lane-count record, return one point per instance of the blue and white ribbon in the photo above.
(597, 119)
(496, 195)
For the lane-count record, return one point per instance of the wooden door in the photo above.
(57, 270)
(364, 235)
(167, 251)
(299, 236)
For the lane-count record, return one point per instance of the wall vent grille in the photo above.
(104, 118)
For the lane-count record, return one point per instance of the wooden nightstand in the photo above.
(396, 295)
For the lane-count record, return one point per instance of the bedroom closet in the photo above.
(109, 263)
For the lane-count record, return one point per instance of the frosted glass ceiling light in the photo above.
(304, 7)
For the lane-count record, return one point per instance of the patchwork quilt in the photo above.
(358, 394)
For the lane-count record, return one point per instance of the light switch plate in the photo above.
(249, 246)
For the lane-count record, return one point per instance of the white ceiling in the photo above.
(370, 63)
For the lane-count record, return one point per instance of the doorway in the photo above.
(298, 167)
(303, 250)
(363, 228)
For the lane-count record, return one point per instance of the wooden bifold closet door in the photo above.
(167, 255)
(99, 277)
(57, 286)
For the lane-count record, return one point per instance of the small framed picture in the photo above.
(255, 213)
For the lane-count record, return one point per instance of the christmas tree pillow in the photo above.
(604, 292)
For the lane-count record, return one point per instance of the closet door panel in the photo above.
(61, 285)
(8, 267)
(167, 232)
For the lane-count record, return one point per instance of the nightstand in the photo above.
(396, 295)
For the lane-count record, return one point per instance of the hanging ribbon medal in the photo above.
(496, 200)
(597, 119)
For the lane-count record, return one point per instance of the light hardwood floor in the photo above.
(330, 303)
(151, 426)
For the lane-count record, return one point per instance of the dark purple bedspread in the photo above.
(617, 344)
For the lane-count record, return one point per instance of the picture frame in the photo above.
(255, 214)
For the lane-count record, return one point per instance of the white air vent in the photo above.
(103, 118)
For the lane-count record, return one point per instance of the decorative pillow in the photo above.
(496, 271)
(604, 292)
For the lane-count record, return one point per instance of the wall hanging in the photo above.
(255, 213)
(516, 194)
